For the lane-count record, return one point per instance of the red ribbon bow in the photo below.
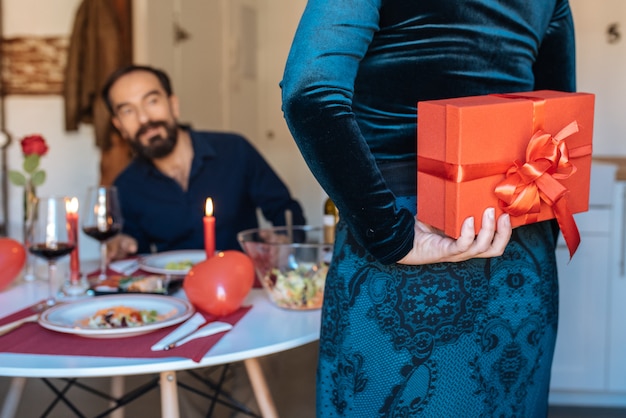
(526, 185)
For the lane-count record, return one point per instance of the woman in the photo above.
(416, 324)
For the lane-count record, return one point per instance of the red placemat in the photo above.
(31, 338)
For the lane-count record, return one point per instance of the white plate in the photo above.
(66, 317)
(156, 263)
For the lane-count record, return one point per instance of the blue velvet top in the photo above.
(357, 69)
(158, 212)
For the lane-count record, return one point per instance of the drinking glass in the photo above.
(50, 236)
(102, 219)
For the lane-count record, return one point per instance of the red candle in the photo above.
(209, 229)
(72, 223)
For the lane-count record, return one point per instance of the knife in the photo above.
(187, 328)
(204, 331)
(5, 329)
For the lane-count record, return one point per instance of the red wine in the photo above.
(100, 235)
(51, 253)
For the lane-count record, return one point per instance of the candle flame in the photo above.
(71, 206)
(208, 208)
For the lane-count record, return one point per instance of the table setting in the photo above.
(257, 327)
(158, 297)
(52, 335)
(149, 313)
(148, 306)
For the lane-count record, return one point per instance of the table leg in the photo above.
(12, 399)
(169, 395)
(259, 386)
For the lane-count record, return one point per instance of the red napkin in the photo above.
(31, 338)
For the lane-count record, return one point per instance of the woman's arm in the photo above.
(555, 67)
(318, 86)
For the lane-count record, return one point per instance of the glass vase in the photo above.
(30, 204)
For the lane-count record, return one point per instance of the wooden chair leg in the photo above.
(260, 388)
(12, 400)
(169, 395)
(117, 391)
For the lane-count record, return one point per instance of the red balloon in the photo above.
(220, 284)
(12, 258)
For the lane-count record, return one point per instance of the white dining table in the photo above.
(265, 329)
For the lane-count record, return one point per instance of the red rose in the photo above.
(34, 144)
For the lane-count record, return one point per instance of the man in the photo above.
(163, 190)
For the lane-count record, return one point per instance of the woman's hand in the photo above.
(430, 246)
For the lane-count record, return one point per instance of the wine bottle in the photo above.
(331, 216)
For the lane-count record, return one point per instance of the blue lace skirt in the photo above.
(471, 339)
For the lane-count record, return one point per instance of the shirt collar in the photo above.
(202, 150)
(201, 147)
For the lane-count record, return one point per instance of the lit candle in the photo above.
(71, 207)
(209, 229)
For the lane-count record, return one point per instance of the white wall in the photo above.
(601, 69)
(278, 26)
(227, 81)
(72, 164)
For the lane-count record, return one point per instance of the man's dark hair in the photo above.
(117, 74)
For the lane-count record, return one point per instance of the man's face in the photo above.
(144, 114)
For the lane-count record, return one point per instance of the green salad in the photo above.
(179, 265)
(302, 288)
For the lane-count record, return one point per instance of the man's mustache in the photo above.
(150, 125)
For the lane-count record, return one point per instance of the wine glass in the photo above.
(50, 236)
(102, 219)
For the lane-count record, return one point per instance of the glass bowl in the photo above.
(291, 263)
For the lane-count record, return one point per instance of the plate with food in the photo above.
(116, 316)
(173, 263)
(145, 283)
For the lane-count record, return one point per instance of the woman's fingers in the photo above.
(468, 235)
(490, 241)
(432, 246)
(487, 231)
(503, 234)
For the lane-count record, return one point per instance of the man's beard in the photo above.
(158, 147)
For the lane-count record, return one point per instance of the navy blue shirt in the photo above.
(159, 214)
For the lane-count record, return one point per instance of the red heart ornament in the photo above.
(220, 284)
(12, 258)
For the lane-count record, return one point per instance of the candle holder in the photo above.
(75, 286)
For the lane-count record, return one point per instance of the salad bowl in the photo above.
(291, 263)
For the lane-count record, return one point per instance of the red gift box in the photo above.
(527, 154)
